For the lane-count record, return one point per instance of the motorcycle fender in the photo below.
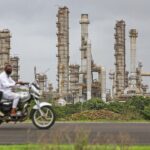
(36, 107)
(41, 105)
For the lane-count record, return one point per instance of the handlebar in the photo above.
(25, 83)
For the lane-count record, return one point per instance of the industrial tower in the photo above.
(63, 50)
(88, 86)
(85, 72)
(120, 71)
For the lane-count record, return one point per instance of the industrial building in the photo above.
(127, 83)
(88, 86)
(46, 88)
(76, 81)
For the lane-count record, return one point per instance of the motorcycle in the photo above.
(29, 107)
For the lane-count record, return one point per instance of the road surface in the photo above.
(94, 133)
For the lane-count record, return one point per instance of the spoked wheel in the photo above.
(44, 121)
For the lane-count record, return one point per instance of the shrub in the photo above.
(146, 112)
(59, 111)
(63, 111)
(116, 107)
(136, 102)
(95, 104)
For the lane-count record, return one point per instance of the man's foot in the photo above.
(13, 112)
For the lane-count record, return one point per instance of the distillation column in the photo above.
(120, 57)
(63, 50)
(4, 48)
(133, 35)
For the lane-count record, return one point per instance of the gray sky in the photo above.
(33, 27)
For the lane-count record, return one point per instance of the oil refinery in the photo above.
(76, 82)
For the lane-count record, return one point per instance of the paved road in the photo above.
(100, 133)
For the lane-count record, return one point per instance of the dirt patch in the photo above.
(95, 115)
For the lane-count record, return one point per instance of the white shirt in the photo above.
(6, 82)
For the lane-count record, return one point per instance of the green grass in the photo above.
(73, 147)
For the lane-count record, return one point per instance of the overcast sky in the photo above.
(33, 27)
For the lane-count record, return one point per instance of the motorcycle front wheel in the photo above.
(44, 121)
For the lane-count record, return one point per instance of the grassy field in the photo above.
(73, 147)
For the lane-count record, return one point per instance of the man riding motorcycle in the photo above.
(6, 84)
